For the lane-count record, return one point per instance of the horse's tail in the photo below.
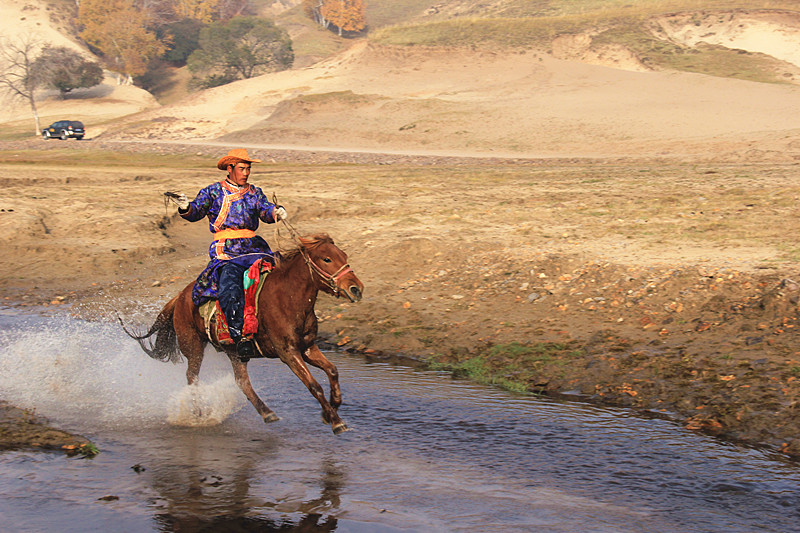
(165, 348)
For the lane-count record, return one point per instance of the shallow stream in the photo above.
(426, 453)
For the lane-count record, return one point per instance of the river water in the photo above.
(426, 453)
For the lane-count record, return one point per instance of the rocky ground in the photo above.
(666, 287)
(20, 428)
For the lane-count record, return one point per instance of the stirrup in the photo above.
(245, 349)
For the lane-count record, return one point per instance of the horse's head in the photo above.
(328, 264)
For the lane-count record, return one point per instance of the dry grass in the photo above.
(381, 14)
(534, 25)
(653, 208)
(309, 40)
(65, 156)
(502, 32)
(605, 9)
(702, 59)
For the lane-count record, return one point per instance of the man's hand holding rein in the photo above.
(183, 202)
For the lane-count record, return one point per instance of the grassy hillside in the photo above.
(599, 8)
(313, 43)
(535, 24)
(382, 13)
(310, 42)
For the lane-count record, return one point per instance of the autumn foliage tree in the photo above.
(120, 30)
(346, 15)
(199, 10)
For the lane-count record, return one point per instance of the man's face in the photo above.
(239, 173)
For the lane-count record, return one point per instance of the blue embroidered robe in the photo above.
(229, 208)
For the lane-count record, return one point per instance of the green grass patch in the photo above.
(513, 366)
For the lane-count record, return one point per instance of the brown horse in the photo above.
(287, 325)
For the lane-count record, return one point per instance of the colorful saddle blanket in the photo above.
(214, 318)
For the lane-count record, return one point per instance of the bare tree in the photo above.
(313, 8)
(228, 9)
(17, 77)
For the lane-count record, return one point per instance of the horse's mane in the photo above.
(307, 242)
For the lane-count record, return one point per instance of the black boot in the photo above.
(244, 346)
(245, 349)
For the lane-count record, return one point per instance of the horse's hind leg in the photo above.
(194, 359)
(329, 414)
(193, 348)
(315, 357)
(243, 380)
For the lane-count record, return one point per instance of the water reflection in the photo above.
(206, 486)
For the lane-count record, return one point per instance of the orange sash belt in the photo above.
(234, 234)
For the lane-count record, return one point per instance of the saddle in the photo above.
(214, 318)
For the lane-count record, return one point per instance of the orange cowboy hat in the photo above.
(236, 155)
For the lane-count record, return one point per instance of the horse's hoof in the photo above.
(272, 417)
(339, 428)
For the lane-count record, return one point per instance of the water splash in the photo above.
(205, 404)
(69, 370)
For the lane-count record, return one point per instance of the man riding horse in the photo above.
(234, 208)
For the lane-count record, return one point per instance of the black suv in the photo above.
(64, 129)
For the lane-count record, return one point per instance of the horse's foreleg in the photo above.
(243, 380)
(314, 356)
(329, 414)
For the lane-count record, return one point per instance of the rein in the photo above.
(331, 280)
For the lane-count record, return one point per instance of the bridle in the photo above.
(330, 280)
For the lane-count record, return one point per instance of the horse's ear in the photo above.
(312, 241)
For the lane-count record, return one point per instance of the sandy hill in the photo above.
(518, 104)
(46, 23)
(579, 97)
